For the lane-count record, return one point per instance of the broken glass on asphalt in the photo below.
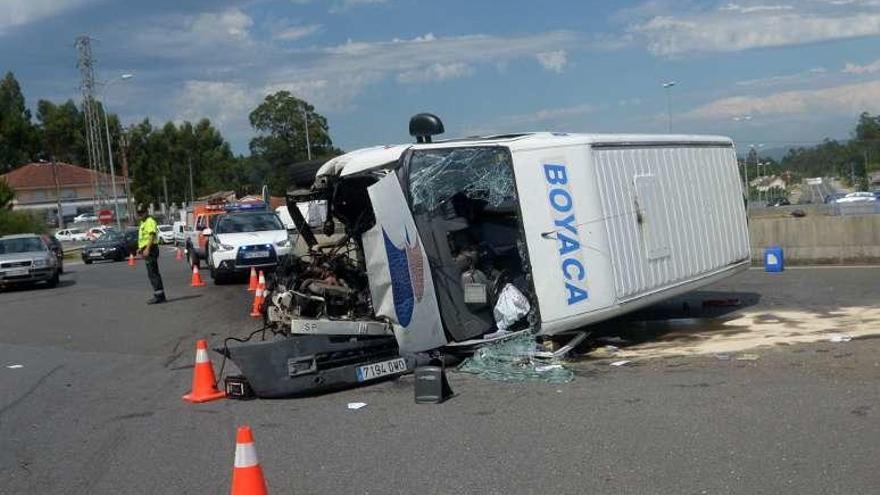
(515, 360)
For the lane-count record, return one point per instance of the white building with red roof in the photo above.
(38, 185)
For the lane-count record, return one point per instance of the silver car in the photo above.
(25, 258)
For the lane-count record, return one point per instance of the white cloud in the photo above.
(223, 102)
(21, 12)
(748, 9)
(554, 61)
(293, 33)
(849, 99)
(204, 38)
(785, 79)
(343, 71)
(870, 68)
(231, 23)
(736, 27)
(344, 5)
(436, 73)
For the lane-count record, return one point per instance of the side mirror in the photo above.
(207, 232)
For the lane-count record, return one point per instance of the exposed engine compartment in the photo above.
(465, 207)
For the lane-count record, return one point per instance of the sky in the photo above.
(768, 72)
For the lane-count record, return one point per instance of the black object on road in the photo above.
(432, 387)
(237, 387)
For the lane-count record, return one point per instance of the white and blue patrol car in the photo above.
(246, 238)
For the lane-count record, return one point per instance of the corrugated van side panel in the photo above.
(672, 214)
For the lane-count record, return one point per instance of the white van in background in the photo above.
(178, 230)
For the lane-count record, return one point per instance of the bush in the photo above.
(20, 222)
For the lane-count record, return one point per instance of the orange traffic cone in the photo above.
(203, 384)
(257, 306)
(179, 255)
(196, 278)
(247, 475)
(262, 281)
(253, 283)
(131, 259)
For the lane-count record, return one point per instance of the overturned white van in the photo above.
(450, 241)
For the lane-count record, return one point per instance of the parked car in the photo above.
(166, 234)
(85, 218)
(71, 235)
(858, 197)
(113, 245)
(95, 232)
(778, 202)
(26, 258)
(832, 198)
(55, 246)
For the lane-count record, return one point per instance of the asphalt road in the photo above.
(95, 407)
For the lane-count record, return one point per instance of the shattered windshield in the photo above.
(483, 173)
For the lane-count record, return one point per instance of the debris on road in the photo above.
(516, 360)
(604, 351)
(622, 362)
(15, 366)
(354, 406)
(748, 357)
(840, 338)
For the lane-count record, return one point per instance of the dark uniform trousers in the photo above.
(151, 259)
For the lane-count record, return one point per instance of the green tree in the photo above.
(7, 194)
(19, 138)
(16, 222)
(63, 131)
(280, 122)
(868, 127)
(167, 152)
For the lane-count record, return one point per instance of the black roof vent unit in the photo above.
(424, 125)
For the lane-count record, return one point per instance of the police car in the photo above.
(247, 236)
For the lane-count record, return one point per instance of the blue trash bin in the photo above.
(774, 261)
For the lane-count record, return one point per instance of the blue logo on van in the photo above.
(407, 269)
(571, 262)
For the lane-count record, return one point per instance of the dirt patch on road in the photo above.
(749, 330)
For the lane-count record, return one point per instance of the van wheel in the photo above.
(53, 282)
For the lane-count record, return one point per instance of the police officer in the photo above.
(148, 247)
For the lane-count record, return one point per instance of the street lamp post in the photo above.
(668, 87)
(755, 148)
(745, 118)
(123, 77)
(306, 122)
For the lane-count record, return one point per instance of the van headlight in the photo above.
(283, 243)
(41, 263)
(224, 247)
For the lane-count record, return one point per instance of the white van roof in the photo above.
(378, 157)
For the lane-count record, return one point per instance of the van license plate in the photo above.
(377, 370)
(256, 254)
